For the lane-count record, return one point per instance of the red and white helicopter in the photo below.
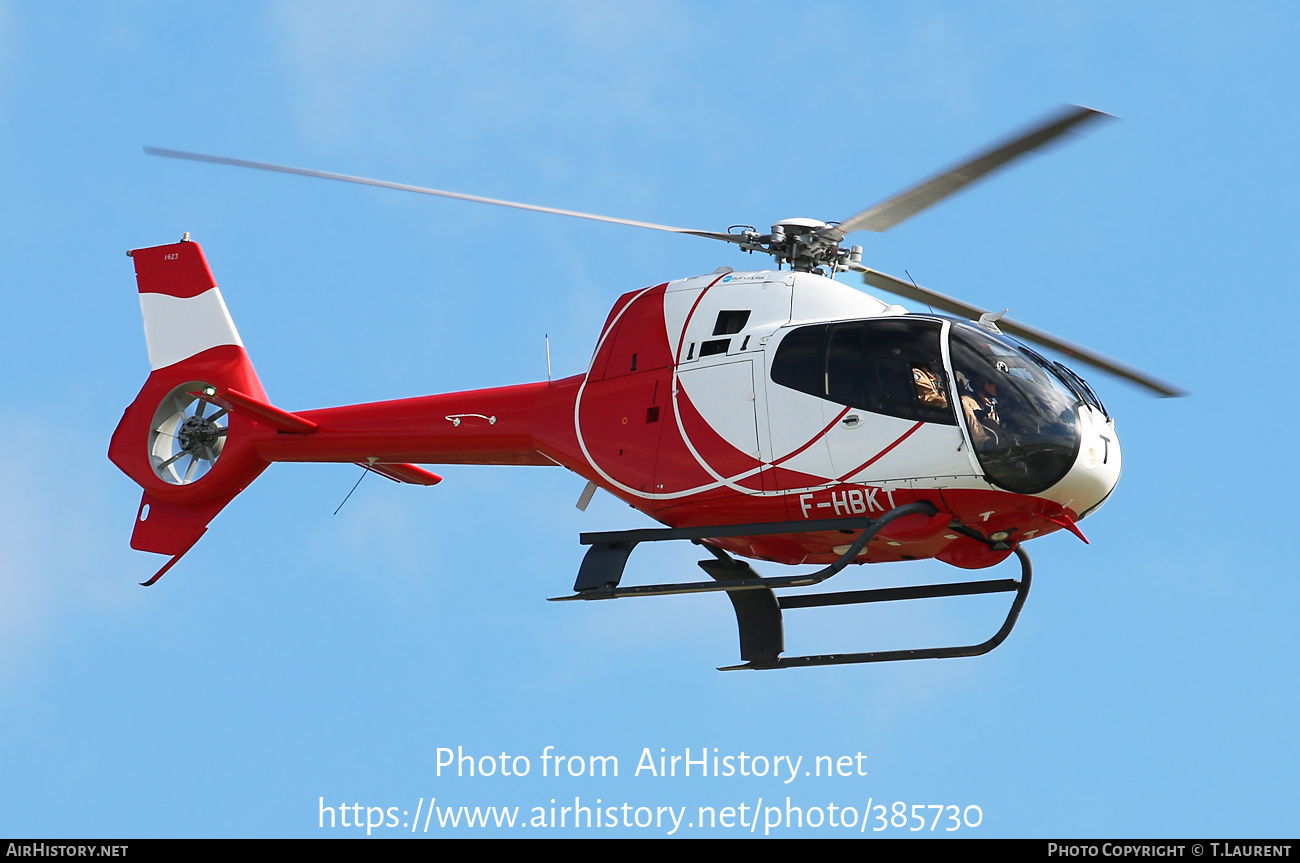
(777, 415)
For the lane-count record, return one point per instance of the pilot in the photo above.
(980, 404)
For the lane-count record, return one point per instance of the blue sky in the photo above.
(1149, 689)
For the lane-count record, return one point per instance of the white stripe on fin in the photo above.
(177, 328)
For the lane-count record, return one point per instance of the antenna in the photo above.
(918, 287)
(364, 470)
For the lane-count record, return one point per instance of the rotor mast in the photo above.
(804, 244)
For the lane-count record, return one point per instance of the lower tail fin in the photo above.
(189, 452)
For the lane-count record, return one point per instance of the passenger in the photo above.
(928, 390)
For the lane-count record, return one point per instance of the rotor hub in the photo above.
(198, 433)
(805, 244)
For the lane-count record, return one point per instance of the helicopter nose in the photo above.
(1096, 469)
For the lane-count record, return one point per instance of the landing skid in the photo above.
(758, 609)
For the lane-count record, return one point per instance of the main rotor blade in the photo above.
(1019, 330)
(364, 181)
(886, 214)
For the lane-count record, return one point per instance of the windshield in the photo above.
(1021, 417)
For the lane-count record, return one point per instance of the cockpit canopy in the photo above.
(1022, 417)
(1020, 409)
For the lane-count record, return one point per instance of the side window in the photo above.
(730, 321)
(892, 366)
(800, 362)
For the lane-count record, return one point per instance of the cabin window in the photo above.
(799, 362)
(891, 366)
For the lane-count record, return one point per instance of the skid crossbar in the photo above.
(602, 568)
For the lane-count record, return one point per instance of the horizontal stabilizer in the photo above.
(408, 473)
(259, 411)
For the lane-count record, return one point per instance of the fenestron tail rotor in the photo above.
(187, 435)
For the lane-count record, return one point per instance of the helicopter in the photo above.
(777, 415)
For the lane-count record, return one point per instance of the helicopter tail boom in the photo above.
(489, 426)
(202, 428)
